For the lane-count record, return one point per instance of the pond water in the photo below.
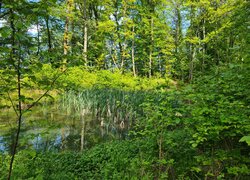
(53, 129)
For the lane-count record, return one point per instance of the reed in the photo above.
(111, 107)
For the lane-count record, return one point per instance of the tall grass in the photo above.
(108, 106)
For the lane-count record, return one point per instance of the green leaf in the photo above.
(5, 32)
(245, 139)
(22, 98)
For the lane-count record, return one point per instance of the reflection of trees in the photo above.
(8, 140)
(72, 137)
(71, 141)
(82, 132)
(60, 132)
(62, 138)
(45, 140)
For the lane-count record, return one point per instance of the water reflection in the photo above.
(51, 129)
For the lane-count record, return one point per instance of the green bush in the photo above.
(207, 121)
(76, 78)
(116, 160)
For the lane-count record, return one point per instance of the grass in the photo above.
(109, 106)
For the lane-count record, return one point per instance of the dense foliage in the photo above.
(176, 38)
(177, 72)
(191, 133)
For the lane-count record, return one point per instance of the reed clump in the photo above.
(108, 106)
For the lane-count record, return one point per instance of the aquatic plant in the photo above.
(109, 106)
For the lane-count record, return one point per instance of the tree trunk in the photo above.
(150, 64)
(178, 33)
(38, 38)
(13, 32)
(151, 47)
(65, 42)
(85, 31)
(66, 36)
(204, 44)
(73, 30)
(191, 63)
(192, 49)
(133, 51)
(121, 48)
(48, 34)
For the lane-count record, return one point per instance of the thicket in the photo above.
(78, 79)
(198, 131)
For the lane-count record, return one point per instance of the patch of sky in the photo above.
(2, 23)
(33, 29)
(2, 147)
(35, 1)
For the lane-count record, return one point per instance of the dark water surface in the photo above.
(53, 129)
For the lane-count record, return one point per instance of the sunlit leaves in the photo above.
(245, 139)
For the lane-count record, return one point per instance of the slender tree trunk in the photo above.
(178, 33)
(119, 36)
(114, 58)
(151, 48)
(38, 38)
(177, 37)
(85, 30)
(133, 51)
(13, 34)
(191, 63)
(18, 70)
(48, 34)
(150, 64)
(121, 54)
(192, 49)
(120, 47)
(204, 44)
(66, 36)
(18, 128)
(65, 42)
(96, 14)
(73, 29)
(49, 37)
(124, 46)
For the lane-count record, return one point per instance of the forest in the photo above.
(125, 89)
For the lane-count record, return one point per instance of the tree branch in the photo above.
(12, 103)
(21, 112)
(46, 92)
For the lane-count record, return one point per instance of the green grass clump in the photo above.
(112, 106)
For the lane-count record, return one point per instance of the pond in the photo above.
(50, 128)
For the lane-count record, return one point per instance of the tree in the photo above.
(67, 35)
